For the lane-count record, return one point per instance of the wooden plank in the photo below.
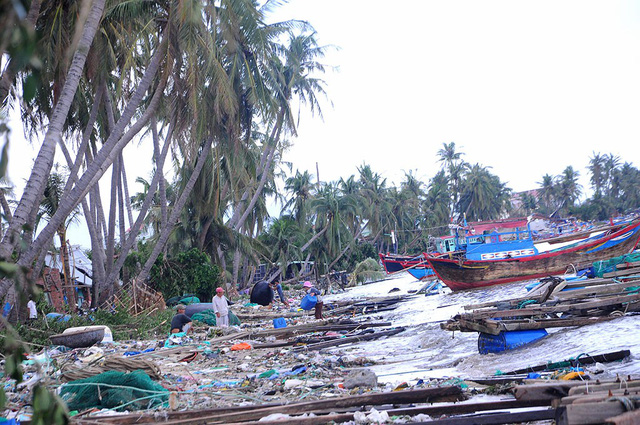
(547, 391)
(602, 358)
(588, 414)
(427, 395)
(552, 323)
(349, 340)
(597, 396)
(441, 409)
(627, 418)
(591, 387)
(535, 311)
(622, 272)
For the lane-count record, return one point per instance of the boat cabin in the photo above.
(491, 240)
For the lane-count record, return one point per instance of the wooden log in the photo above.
(547, 391)
(591, 387)
(189, 415)
(427, 395)
(586, 414)
(349, 340)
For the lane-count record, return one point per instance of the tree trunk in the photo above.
(44, 160)
(69, 288)
(177, 208)
(314, 237)
(148, 201)
(237, 220)
(162, 187)
(107, 154)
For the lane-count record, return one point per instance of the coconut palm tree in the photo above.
(300, 188)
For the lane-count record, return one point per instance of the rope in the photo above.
(629, 403)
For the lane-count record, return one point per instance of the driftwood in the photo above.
(593, 413)
(587, 359)
(349, 340)
(441, 409)
(253, 413)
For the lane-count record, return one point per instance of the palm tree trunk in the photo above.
(69, 288)
(237, 220)
(108, 153)
(44, 160)
(314, 237)
(162, 187)
(115, 172)
(121, 203)
(177, 208)
(125, 187)
(127, 245)
(6, 210)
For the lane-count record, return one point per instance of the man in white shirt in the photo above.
(221, 308)
(33, 311)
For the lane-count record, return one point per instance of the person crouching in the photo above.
(221, 308)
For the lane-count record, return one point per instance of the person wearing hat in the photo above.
(311, 290)
(221, 308)
(180, 322)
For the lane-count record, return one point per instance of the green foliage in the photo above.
(48, 408)
(189, 272)
(366, 271)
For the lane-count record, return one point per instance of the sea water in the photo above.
(424, 350)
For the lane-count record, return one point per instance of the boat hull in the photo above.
(461, 274)
(396, 263)
(421, 272)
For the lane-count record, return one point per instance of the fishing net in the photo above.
(209, 317)
(607, 266)
(113, 390)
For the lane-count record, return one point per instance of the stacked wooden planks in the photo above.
(557, 304)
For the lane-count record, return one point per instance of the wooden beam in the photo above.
(588, 414)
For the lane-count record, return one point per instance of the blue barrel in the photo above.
(508, 340)
(308, 302)
(279, 323)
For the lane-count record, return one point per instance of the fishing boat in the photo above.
(460, 273)
(79, 338)
(422, 271)
(394, 263)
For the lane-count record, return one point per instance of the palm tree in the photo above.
(596, 167)
(300, 188)
(483, 196)
(569, 188)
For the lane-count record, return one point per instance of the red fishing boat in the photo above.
(460, 273)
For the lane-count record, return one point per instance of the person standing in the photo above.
(180, 322)
(312, 290)
(221, 308)
(33, 311)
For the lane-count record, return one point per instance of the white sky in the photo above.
(524, 87)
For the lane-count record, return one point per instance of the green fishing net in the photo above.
(607, 266)
(113, 390)
(209, 317)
